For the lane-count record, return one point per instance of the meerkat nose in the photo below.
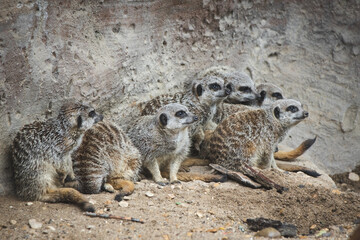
(195, 118)
(227, 91)
(306, 114)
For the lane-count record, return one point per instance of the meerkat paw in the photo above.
(175, 182)
(162, 182)
(108, 187)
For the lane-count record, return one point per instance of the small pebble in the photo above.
(149, 194)
(354, 177)
(199, 214)
(90, 226)
(123, 204)
(150, 203)
(13, 222)
(268, 232)
(51, 228)
(35, 224)
(127, 198)
(171, 196)
(29, 203)
(92, 201)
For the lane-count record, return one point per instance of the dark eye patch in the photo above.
(245, 89)
(292, 109)
(92, 114)
(215, 86)
(229, 86)
(277, 95)
(181, 114)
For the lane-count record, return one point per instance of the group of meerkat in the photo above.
(77, 152)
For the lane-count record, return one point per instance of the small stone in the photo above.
(13, 222)
(199, 214)
(176, 186)
(51, 228)
(29, 203)
(171, 196)
(35, 224)
(92, 201)
(123, 204)
(150, 203)
(90, 227)
(354, 177)
(127, 198)
(313, 226)
(268, 232)
(215, 185)
(149, 194)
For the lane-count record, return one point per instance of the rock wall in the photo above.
(115, 54)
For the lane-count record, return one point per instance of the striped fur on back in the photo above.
(105, 153)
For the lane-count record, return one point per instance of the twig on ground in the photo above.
(90, 214)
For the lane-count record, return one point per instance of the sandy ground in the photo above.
(192, 210)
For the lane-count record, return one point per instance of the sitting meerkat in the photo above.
(42, 151)
(203, 97)
(106, 160)
(268, 93)
(248, 139)
(163, 139)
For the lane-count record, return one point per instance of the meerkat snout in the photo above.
(306, 114)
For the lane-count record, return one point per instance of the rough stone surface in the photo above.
(115, 54)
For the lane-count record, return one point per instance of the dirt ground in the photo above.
(192, 210)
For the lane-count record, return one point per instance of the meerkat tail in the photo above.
(68, 195)
(296, 168)
(188, 177)
(125, 187)
(195, 162)
(291, 155)
(260, 178)
(237, 176)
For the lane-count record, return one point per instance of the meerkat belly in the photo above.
(182, 142)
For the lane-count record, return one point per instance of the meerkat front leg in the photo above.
(154, 169)
(174, 168)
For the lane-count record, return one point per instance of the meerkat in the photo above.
(163, 139)
(248, 139)
(41, 154)
(268, 93)
(106, 160)
(202, 99)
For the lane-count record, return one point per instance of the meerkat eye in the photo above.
(292, 109)
(245, 89)
(215, 86)
(277, 95)
(181, 114)
(92, 113)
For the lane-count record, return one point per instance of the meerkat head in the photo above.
(242, 89)
(210, 90)
(289, 112)
(175, 116)
(79, 116)
(273, 93)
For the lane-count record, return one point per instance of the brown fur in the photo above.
(106, 159)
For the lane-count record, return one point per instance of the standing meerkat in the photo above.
(42, 155)
(106, 159)
(202, 99)
(248, 139)
(163, 139)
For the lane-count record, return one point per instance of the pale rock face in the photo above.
(115, 55)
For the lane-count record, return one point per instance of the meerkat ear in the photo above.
(79, 122)
(277, 112)
(163, 119)
(199, 90)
